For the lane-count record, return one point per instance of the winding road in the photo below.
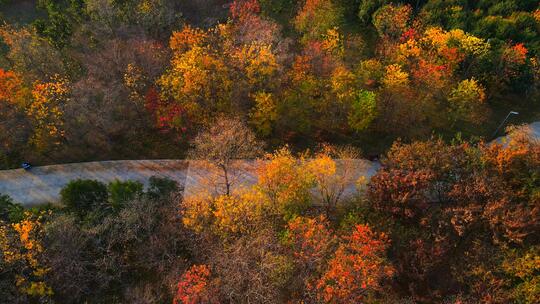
(43, 184)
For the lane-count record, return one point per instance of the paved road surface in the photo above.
(43, 184)
(535, 129)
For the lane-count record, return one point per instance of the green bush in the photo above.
(121, 192)
(84, 195)
(161, 187)
(9, 210)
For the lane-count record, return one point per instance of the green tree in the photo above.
(83, 195)
(467, 101)
(363, 110)
(62, 18)
(316, 17)
(121, 192)
(9, 210)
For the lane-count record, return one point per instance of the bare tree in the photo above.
(222, 145)
(252, 269)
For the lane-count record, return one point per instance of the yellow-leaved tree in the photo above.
(285, 181)
(21, 253)
(46, 111)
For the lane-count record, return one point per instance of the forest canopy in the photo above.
(86, 79)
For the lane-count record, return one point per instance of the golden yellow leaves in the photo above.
(146, 6)
(46, 110)
(258, 60)
(436, 36)
(20, 246)
(264, 113)
(409, 49)
(333, 42)
(469, 43)
(282, 190)
(321, 167)
(441, 40)
(471, 87)
(210, 67)
(286, 186)
(199, 80)
(24, 228)
(395, 77)
(285, 181)
(134, 80)
(192, 66)
(536, 15)
(342, 83)
(197, 213)
(524, 268)
(196, 67)
(242, 212)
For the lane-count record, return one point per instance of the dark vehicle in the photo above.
(26, 166)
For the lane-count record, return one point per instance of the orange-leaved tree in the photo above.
(357, 269)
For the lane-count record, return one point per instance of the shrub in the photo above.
(161, 187)
(83, 195)
(10, 211)
(121, 192)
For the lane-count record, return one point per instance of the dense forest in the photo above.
(129, 79)
(300, 87)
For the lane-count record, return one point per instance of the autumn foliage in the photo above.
(271, 102)
(357, 268)
(22, 256)
(195, 286)
(12, 88)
